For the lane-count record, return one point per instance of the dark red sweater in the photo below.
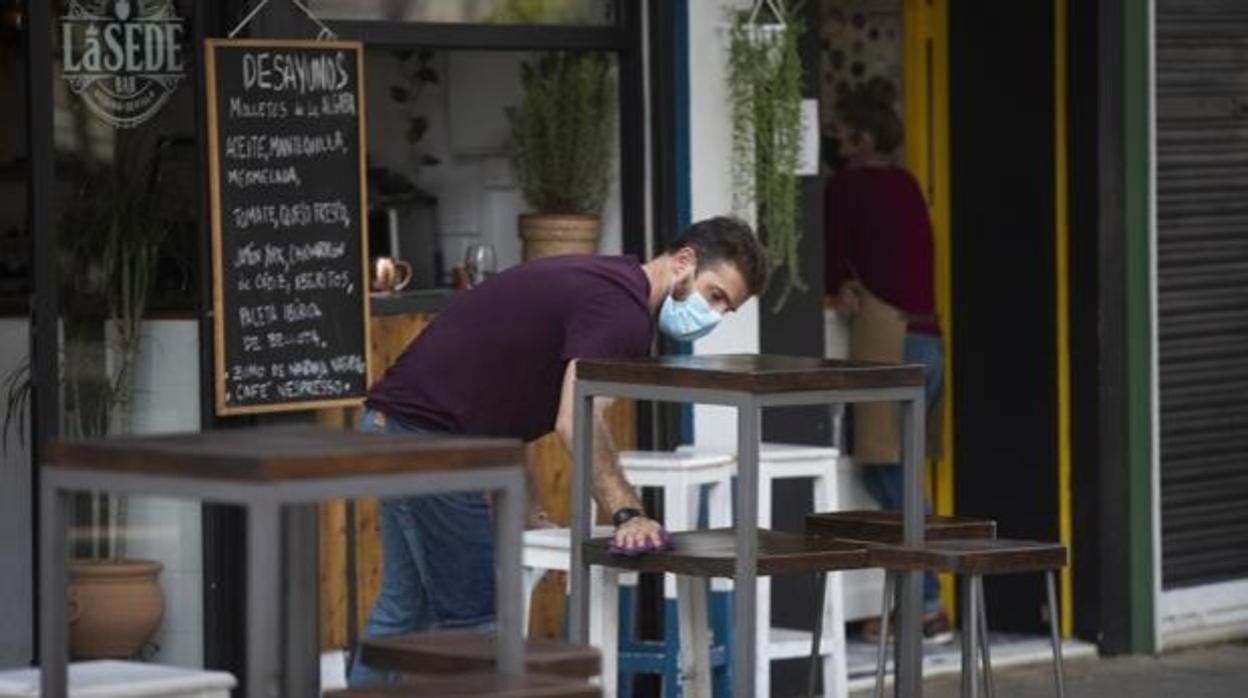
(877, 229)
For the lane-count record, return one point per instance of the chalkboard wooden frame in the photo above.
(215, 212)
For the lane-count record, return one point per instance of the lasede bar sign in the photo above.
(122, 57)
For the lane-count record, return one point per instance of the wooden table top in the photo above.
(751, 373)
(713, 553)
(971, 556)
(888, 526)
(274, 454)
(466, 651)
(476, 686)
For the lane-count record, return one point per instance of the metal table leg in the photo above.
(302, 645)
(970, 640)
(910, 621)
(816, 636)
(509, 534)
(53, 580)
(264, 600)
(745, 620)
(582, 467)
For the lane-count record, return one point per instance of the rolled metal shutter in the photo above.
(1202, 258)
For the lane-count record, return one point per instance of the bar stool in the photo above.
(713, 553)
(778, 461)
(873, 527)
(697, 488)
(547, 549)
(972, 560)
(682, 477)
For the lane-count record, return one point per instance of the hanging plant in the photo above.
(765, 99)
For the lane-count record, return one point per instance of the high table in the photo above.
(751, 382)
(278, 475)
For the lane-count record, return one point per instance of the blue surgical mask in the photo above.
(688, 319)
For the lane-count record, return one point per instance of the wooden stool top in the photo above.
(971, 557)
(477, 686)
(274, 454)
(887, 527)
(713, 553)
(751, 373)
(465, 651)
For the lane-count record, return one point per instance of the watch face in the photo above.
(624, 515)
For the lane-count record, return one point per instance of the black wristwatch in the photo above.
(621, 516)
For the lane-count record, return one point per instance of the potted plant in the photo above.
(562, 134)
(765, 101)
(109, 244)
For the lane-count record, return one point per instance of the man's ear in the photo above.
(688, 260)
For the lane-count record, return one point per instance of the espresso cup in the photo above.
(391, 274)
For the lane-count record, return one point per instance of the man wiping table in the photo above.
(500, 360)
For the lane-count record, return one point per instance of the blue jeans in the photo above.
(884, 481)
(437, 562)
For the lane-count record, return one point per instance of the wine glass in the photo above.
(479, 263)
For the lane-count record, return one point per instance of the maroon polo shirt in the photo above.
(492, 361)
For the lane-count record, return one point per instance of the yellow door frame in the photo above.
(925, 64)
(925, 100)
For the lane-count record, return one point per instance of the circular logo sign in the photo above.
(122, 57)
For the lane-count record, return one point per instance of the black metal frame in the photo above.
(1084, 79)
(44, 340)
(1113, 553)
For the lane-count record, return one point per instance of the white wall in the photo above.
(168, 530)
(16, 600)
(160, 529)
(710, 158)
(478, 200)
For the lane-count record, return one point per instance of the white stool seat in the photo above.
(779, 461)
(117, 679)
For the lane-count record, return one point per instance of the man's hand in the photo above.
(638, 532)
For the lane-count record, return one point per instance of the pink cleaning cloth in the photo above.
(665, 544)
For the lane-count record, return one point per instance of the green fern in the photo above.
(562, 132)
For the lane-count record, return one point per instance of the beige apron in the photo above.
(877, 333)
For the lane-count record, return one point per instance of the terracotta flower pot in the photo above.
(547, 234)
(114, 607)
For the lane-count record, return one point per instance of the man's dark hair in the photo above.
(724, 239)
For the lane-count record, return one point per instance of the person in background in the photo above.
(500, 360)
(879, 272)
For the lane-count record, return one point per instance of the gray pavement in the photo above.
(1217, 671)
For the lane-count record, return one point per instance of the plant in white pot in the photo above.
(562, 145)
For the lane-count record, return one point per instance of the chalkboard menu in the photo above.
(289, 230)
